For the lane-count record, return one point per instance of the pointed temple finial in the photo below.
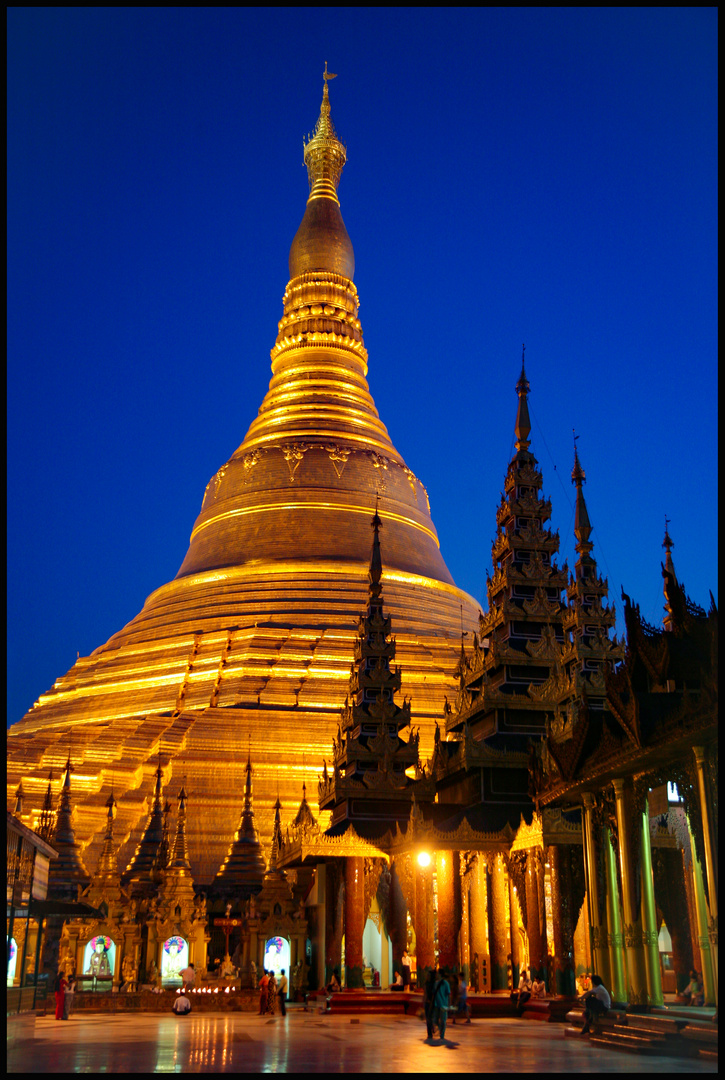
(243, 868)
(276, 838)
(376, 563)
(324, 154)
(18, 810)
(522, 428)
(582, 525)
(668, 568)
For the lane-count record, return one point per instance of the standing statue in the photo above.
(128, 972)
(67, 964)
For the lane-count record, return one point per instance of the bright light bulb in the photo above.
(423, 858)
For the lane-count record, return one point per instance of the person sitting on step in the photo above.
(597, 1003)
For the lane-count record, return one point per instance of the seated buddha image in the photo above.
(99, 965)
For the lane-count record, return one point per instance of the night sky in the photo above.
(545, 176)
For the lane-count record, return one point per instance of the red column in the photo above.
(447, 951)
(354, 912)
(423, 921)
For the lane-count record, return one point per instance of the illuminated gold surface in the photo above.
(254, 637)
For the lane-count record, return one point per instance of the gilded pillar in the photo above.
(709, 835)
(517, 958)
(633, 940)
(650, 933)
(354, 921)
(615, 938)
(447, 950)
(465, 937)
(703, 938)
(478, 922)
(535, 916)
(423, 922)
(563, 921)
(595, 909)
(497, 927)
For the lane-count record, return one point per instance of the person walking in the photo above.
(60, 989)
(428, 995)
(263, 984)
(441, 1000)
(463, 1011)
(282, 992)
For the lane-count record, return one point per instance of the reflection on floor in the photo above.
(310, 1042)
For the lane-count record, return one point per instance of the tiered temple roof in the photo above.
(371, 762)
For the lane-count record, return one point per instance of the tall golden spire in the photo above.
(322, 242)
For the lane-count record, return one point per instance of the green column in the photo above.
(708, 835)
(649, 919)
(637, 994)
(616, 939)
(600, 952)
(708, 978)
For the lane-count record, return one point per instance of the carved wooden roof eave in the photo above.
(317, 846)
(630, 761)
(462, 838)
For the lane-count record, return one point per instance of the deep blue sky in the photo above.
(545, 176)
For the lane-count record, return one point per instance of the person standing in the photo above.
(405, 961)
(69, 992)
(282, 992)
(272, 994)
(441, 1000)
(428, 995)
(263, 984)
(188, 975)
(60, 988)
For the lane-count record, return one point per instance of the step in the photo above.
(632, 1043)
(705, 1053)
(705, 1037)
(662, 1025)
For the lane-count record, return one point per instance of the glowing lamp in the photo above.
(423, 858)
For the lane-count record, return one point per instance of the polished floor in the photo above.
(309, 1042)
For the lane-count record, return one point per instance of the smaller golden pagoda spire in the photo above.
(47, 815)
(523, 423)
(107, 862)
(179, 860)
(19, 794)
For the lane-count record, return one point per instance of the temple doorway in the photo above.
(277, 955)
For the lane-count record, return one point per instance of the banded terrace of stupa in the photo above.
(249, 648)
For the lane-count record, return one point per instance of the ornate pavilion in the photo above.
(529, 792)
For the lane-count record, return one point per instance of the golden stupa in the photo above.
(249, 647)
